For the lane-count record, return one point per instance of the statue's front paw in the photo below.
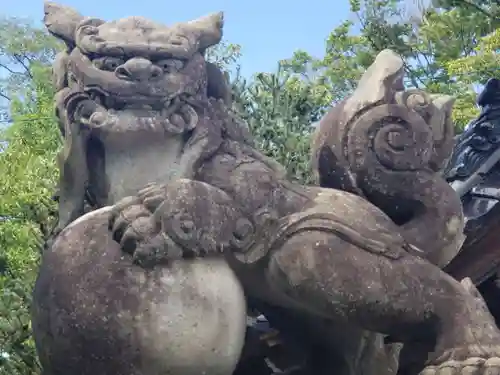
(138, 231)
(480, 353)
(131, 223)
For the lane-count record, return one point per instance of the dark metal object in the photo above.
(474, 172)
(478, 148)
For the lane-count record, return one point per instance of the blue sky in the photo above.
(267, 30)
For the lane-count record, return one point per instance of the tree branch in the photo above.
(11, 71)
(6, 97)
(19, 59)
(470, 4)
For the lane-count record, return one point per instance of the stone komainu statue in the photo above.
(190, 223)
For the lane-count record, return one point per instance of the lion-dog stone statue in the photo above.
(190, 221)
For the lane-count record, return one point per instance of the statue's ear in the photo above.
(218, 84)
(209, 30)
(62, 21)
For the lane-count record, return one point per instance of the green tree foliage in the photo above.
(22, 47)
(225, 55)
(449, 47)
(279, 109)
(481, 64)
(27, 162)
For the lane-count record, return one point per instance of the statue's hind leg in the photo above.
(405, 297)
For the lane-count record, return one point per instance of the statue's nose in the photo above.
(138, 69)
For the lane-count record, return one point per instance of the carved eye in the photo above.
(170, 65)
(108, 63)
(89, 30)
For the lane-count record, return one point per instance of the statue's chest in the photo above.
(129, 168)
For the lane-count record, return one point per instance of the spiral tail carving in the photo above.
(388, 145)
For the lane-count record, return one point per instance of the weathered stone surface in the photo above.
(190, 221)
(388, 145)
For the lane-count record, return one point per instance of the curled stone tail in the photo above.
(388, 145)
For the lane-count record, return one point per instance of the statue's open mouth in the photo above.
(122, 102)
(98, 110)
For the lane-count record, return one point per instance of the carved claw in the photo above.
(130, 225)
(152, 196)
(138, 231)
